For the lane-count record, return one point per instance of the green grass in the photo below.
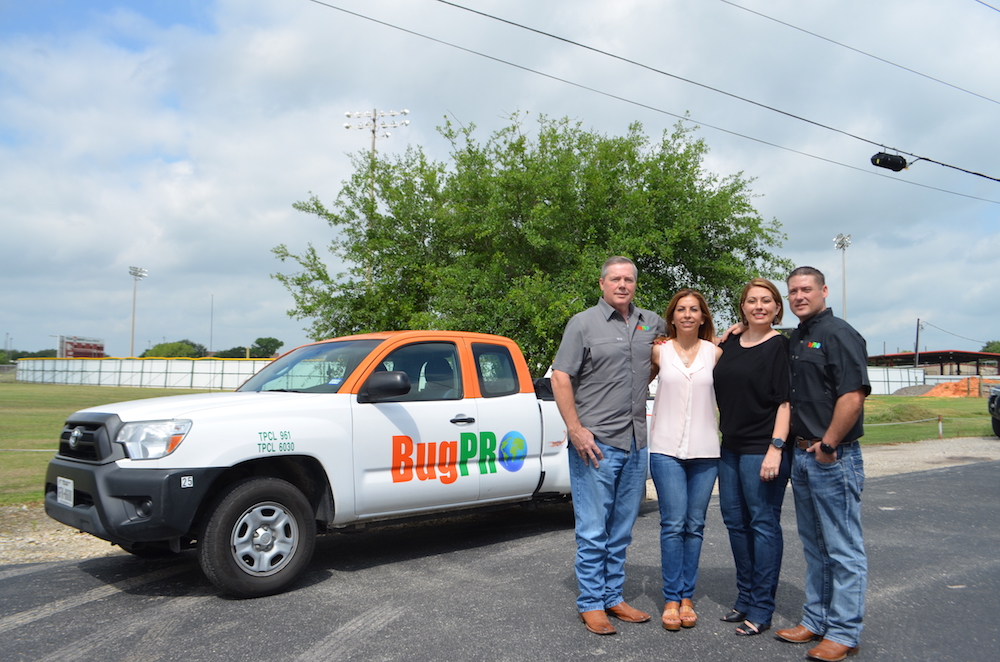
(33, 416)
(962, 417)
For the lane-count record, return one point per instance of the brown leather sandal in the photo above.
(671, 617)
(688, 618)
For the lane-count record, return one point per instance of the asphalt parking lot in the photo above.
(501, 587)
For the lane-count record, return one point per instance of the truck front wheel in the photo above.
(259, 537)
(996, 426)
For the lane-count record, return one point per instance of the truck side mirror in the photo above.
(384, 385)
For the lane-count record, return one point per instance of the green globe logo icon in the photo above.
(513, 449)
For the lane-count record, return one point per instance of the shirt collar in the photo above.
(608, 311)
(808, 324)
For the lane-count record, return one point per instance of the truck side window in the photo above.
(433, 369)
(495, 369)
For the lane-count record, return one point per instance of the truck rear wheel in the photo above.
(996, 426)
(259, 537)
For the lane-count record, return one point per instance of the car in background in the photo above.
(993, 406)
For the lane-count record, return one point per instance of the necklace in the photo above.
(687, 354)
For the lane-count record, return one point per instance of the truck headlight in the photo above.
(149, 440)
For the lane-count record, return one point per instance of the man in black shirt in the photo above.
(829, 383)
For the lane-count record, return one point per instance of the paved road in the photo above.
(501, 587)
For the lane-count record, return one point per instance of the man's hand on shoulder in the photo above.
(734, 330)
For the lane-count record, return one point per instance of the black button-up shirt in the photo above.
(828, 358)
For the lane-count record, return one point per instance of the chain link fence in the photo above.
(205, 373)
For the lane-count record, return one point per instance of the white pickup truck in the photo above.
(336, 434)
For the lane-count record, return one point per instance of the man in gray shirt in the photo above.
(600, 378)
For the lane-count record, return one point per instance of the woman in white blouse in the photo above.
(683, 448)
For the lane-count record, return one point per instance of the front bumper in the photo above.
(128, 506)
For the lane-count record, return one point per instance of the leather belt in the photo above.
(803, 443)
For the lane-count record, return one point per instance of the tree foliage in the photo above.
(15, 354)
(262, 348)
(170, 350)
(992, 346)
(509, 236)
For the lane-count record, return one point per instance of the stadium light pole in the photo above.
(137, 274)
(841, 242)
(374, 120)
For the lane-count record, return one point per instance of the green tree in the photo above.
(992, 346)
(232, 353)
(170, 350)
(199, 349)
(262, 348)
(508, 237)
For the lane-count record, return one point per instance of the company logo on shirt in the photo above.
(644, 327)
(813, 345)
(447, 460)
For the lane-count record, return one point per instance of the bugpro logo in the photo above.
(448, 460)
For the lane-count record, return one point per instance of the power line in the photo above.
(982, 342)
(639, 104)
(858, 50)
(987, 5)
(714, 89)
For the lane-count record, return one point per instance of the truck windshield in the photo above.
(318, 368)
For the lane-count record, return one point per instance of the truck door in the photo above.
(510, 423)
(417, 452)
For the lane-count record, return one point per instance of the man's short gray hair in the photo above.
(618, 259)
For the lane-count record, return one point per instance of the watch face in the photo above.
(778, 443)
(827, 448)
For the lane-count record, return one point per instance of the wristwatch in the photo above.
(827, 448)
(778, 443)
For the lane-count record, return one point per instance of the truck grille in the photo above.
(88, 437)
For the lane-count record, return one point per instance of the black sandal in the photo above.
(734, 616)
(750, 629)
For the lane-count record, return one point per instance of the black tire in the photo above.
(996, 426)
(259, 537)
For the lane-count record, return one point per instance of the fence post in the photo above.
(940, 427)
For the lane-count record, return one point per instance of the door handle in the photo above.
(461, 419)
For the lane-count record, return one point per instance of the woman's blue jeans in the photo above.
(683, 489)
(606, 503)
(751, 509)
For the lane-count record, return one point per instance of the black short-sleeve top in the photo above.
(750, 384)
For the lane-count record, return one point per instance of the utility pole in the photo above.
(375, 122)
(841, 242)
(137, 274)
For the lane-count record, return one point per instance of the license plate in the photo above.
(65, 491)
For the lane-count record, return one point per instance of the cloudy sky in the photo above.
(175, 135)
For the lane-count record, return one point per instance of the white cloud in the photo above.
(136, 134)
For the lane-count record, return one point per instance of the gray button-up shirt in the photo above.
(609, 361)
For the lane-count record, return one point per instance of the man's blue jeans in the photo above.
(751, 509)
(828, 510)
(683, 489)
(606, 503)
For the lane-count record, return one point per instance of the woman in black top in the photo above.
(751, 386)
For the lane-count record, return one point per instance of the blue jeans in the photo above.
(683, 489)
(751, 509)
(828, 509)
(606, 503)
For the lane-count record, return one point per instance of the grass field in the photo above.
(32, 417)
